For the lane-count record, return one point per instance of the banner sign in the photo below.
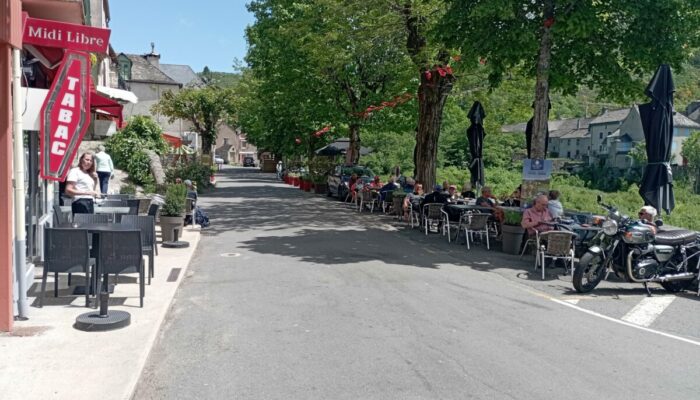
(537, 169)
(65, 115)
(67, 36)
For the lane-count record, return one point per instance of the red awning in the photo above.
(107, 106)
(174, 141)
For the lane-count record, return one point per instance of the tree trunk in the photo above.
(432, 95)
(541, 116)
(352, 156)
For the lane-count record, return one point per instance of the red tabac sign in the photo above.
(47, 33)
(65, 115)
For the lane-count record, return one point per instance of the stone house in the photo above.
(233, 147)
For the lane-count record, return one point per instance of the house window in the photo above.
(609, 133)
(624, 147)
(600, 136)
(244, 144)
(568, 154)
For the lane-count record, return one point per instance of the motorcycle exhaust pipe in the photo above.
(629, 268)
(675, 277)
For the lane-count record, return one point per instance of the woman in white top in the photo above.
(81, 185)
(105, 168)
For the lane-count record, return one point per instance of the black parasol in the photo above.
(657, 121)
(528, 133)
(475, 134)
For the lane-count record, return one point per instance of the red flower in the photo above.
(441, 71)
(549, 22)
(297, 140)
(449, 70)
(428, 75)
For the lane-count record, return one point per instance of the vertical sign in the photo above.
(65, 116)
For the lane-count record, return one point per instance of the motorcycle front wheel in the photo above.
(589, 273)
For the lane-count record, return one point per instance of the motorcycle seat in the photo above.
(676, 237)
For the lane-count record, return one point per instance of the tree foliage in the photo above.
(691, 152)
(127, 147)
(206, 109)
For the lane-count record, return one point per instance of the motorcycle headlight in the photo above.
(610, 227)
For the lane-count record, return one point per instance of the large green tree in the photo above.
(206, 109)
(613, 45)
(691, 152)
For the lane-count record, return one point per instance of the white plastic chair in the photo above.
(554, 245)
(477, 223)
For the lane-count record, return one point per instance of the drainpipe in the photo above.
(20, 248)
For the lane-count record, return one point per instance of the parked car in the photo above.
(338, 179)
(249, 162)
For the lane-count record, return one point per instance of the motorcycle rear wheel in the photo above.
(589, 272)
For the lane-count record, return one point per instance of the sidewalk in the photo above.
(46, 358)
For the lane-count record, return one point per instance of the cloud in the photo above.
(186, 22)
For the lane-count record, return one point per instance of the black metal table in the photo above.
(102, 320)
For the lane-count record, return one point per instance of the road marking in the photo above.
(647, 310)
(537, 293)
(572, 301)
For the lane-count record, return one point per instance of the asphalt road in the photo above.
(295, 296)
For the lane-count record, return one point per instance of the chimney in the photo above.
(225, 141)
(153, 57)
(578, 123)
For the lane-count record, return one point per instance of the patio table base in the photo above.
(94, 322)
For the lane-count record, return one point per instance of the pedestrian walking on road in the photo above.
(105, 168)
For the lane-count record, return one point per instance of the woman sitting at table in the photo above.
(488, 200)
(81, 185)
(376, 183)
(412, 199)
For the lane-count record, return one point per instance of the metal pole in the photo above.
(20, 248)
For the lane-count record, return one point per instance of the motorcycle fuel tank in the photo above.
(639, 233)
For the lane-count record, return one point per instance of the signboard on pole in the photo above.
(67, 36)
(65, 116)
(537, 169)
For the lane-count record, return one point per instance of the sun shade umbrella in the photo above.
(657, 121)
(475, 134)
(339, 147)
(528, 134)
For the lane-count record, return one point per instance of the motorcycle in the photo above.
(638, 252)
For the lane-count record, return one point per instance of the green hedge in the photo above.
(127, 147)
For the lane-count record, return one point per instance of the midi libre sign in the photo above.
(63, 35)
(65, 116)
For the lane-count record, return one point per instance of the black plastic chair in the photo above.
(66, 251)
(121, 252)
(59, 217)
(146, 224)
(133, 205)
(90, 219)
(119, 196)
(114, 203)
(153, 211)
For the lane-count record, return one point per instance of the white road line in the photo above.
(572, 301)
(621, 322)
(647, 310)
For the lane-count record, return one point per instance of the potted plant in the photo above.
(513, 232)
(320, 184)
(172, 214)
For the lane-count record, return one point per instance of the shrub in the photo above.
(128, 189)
(512, 217)
(195, 171)
(174, 205)
(126, 147)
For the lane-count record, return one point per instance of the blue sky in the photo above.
(197, 33)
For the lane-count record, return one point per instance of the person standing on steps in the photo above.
(81, 185)
(105, 168)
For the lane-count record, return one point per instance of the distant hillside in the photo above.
(222, 79)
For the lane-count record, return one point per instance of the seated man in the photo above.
(647, 214)
(389, 187)
(555, 206)
(451, 194)
(437, 196)
(536, 217)
(488, 200)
